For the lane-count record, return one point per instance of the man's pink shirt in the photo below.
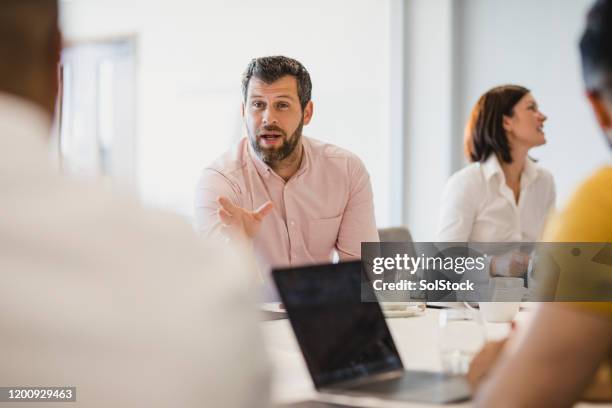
(326, 205)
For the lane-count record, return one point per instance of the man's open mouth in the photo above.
(271, 139)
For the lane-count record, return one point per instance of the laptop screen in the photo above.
(341, 337)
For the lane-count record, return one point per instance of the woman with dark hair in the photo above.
(503, 196)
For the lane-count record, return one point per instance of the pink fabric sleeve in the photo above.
(358, 222)
(211, 186)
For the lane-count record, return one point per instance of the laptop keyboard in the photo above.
(417, 386)
(408, 381)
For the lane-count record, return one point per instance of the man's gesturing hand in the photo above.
(241, 221)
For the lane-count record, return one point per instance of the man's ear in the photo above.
(600, 108)
(242, 109)
(308, 112)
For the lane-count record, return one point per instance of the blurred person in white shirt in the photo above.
(503, 195)
(124, 304)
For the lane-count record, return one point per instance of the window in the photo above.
(97, 111)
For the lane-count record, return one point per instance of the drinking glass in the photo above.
(460, 337)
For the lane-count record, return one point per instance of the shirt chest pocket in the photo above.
(323, 234)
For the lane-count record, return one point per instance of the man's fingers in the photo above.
(227, 205)
(226, 217)
(262, 211)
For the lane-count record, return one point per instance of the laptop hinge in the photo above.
(387, 375)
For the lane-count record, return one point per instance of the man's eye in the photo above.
(258, 104)
(283, 105)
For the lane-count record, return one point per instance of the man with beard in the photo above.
(295, 198)
(566, 351)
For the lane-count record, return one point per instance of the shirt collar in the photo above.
(262, 168)
(306, 157)
(530, 172)
(491, 167)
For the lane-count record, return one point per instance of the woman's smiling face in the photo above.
(526, 126)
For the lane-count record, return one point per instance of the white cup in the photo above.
(506, 283)
(499, 312)
(504, 304)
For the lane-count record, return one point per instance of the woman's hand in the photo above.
(513, 264)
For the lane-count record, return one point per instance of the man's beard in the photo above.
(274, 156)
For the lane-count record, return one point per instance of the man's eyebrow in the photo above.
(287, 96)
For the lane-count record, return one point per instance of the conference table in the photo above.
(415, 338)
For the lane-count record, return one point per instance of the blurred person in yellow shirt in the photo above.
(564, 353)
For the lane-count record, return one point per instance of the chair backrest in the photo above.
(394, 234)
(403, 238)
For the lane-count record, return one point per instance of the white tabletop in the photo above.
(415, 338)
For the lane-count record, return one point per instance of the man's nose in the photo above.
(268, 117)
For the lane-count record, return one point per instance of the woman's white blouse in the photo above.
(478, 206)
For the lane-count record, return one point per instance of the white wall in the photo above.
(492, 42)
(428, 110)
(191, 57)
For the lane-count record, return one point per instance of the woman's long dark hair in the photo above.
(484, 132)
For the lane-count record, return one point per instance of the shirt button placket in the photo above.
(290, 224)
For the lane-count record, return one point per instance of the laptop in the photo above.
(346, 342)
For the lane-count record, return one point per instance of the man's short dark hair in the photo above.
(484, 132)
(271, 69)
(596, 49)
